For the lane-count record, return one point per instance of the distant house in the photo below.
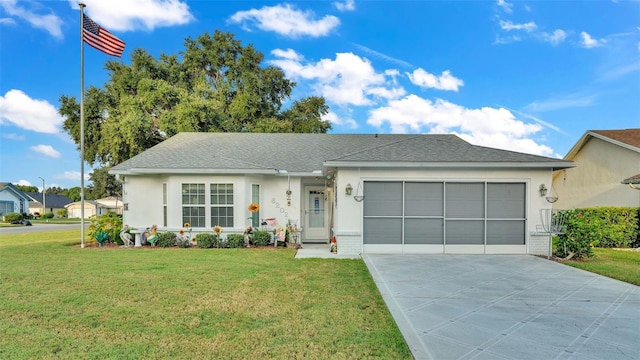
(54, 203)
(373, 193)
(12, 199)
(95, 207)
(604, 159)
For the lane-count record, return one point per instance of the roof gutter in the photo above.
(276, 172)
(554, 165)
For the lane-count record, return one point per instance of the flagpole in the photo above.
(82, 6)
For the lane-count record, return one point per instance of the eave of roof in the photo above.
(557, 165)
(594, 133)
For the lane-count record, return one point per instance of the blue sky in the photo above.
(529, 76)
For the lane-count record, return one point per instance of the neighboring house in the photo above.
(373, 193)
(603, 158)
(12, 199)
(54, 203)
(95, 207)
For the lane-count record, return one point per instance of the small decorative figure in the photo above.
(248, 236)
(152, 238)
(125, 236)
(334, 245)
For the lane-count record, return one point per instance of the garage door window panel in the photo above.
(465, 232)
(382, 231)
(383, 199)
(464, 200)
(505, 201)
(505, 232)
(423, 231)
(423, 199)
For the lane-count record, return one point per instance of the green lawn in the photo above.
(621, 265)
(60, 301)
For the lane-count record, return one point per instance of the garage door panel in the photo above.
(423, 199)
(505, 200)
(464, 200)
(382, 231)
(505, 232)
(423, 231)
(465, 232)
(383, 198)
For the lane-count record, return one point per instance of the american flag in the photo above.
(99, 38)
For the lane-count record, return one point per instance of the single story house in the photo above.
(94, 207)
(53, 202)
(373, 193)
(12, 199)
(604, 158)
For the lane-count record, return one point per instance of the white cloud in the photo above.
(46, 150)
(349, 79)
(507, 39)
(506, 7)
(383, 56)
(562, 102)
(13, 136)
(23, 182)
(347, 5)
(621, 71)
(48, 22)
(288, 54)
(445, 81)
(72, 175)
(285, 20)
(508, 26)
(18, 108)
(7, 21)
(497, 128)
(337, 120)
(589, 42)
(556, 37)
(126, 15)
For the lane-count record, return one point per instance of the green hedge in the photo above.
(261, 238)
(167, 239)
(205, 240)
(235, 240)
(12, 216)
(598, 227)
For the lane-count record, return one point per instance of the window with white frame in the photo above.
(193, 204)
(222, 205)
(255, 198)
(164, 204)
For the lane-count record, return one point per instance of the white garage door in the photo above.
(444, 217)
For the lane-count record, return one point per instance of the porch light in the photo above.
(348, 189)
(543, 190)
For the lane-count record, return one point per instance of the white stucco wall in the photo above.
(144, 198)
(349, 213)
(595, 181)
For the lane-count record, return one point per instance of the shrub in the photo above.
(109, 223)
(205, 241)
(597, 227)
(166, 239)
(62, 213)
(47, 216)
(235, 240)
(261, 238)
(102, 238)
(11, 217)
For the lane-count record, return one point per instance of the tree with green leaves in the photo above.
(218, 85)
(27, 188)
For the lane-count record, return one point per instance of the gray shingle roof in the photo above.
(245, 152)
(53, 201)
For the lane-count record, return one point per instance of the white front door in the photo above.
(316, 227)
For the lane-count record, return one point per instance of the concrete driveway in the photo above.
(507, 307)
